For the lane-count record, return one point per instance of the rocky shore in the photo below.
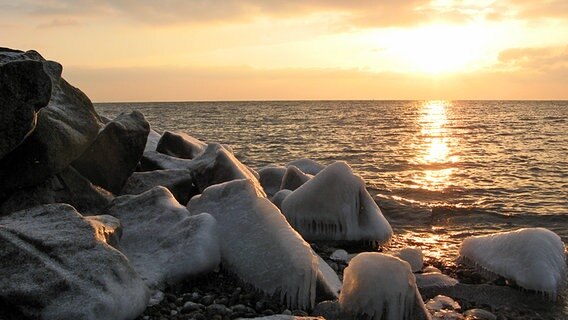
(108, 219)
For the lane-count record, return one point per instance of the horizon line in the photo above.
(327, 100)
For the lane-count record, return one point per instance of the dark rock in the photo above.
(217, 309)
(113, 156)
(207, 300)
(180, 145)
(479, 314)
(54, 266)
(24, 89)
(68, 186)
(189, 307)
(177, 181)
(308, 166)
(65, 129)
(293, 178)
(153, 160)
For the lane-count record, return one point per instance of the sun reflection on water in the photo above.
(436, 147)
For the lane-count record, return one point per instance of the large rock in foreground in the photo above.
(65, 128)
(53, 266)
(114, 155)
(162, 241)
(24, 89)
(257, 243)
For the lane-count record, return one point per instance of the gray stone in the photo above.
(180, 145)
(65, 129)
(24, 89)
(177, 181)
(162, 241)
(293, 178)
(55, 265)
(271, 179)
(68, 186)
(153, 160)
(115, 153)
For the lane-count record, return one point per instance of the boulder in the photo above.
(413, 256)
(24, 89)
(180, 145)
(68, 186)
(293, 178)
(271, 179)
(162, 241)
(279, 197)
(328, 283)
(308, 166)
(177, 181)
(107, 227)
(55, 265)
(152, 141)
(65, 129)
(114, 155)
(335, 205)
(153, 160)
(257, 244)
(216, 165)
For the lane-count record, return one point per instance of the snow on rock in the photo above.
(258, 244)
(25, 88)
(271, 179)
(107, 227)
(308, 166)
(381, 287)
(293, 178)
(533, 257)
(434, 280)
(335, 205)
(328, 283)
(179, 183)
(56, 266)
(216, 165)
(115, 153)
(162, 241)
(180, 145)
(413, 256)
(279, 197)
(65, 129)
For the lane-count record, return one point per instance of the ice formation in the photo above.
(162, 241)
(271, 178)
(328, 281)
(308, 166)
(335, 205)
(258, 244)
(381, 287)
(411, 255)
(294, 178)
(533, 257)
(434, 280)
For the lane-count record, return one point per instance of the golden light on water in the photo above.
(437, 146)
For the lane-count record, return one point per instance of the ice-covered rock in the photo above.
(114, 155)
(413, 256)
(177, 181)
(65, 129)
(434, 280)
(162, 241)
(479, 314)
(153, 160)
(216, 165)
(258, 244)
(533, 257)
(68, 186)
(431, 269)
(308, 166)
(180, 145)
(271, 179)
(152, 141)
(335, 205)
(440, 302)
(24, 89)
(54, 265)
(339, 255)
(381, 287)
(279, 197)
(293, 178)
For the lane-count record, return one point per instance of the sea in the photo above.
(441, 171)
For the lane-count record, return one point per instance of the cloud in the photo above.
(534, 60)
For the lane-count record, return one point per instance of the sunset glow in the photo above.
(232, 50)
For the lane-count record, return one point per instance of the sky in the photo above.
(181, 50)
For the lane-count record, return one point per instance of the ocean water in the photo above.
(440, 170)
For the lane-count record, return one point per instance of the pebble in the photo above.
(208, 299)
(479, 314)
(190, 306)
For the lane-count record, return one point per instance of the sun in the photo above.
(439, 49)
